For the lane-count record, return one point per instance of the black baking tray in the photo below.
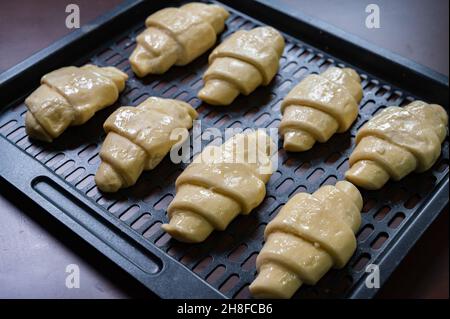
(126, 226)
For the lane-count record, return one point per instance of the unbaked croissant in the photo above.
(138, 139)
(396, 142)
(310, 235)
(244, 61)
(222, 182)
(177, 36)
(320, 106)
(70, 96)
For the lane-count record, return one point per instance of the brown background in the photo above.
(35, 249)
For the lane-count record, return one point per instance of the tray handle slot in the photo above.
(64, 201)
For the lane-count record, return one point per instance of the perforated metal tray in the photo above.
(126, 226)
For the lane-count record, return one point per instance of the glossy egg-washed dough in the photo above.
(70, 96)
(222, 182)
(244, 61)
(138, 139)
(319, 106)
(310, 235)
(396, 142)
(176, 36)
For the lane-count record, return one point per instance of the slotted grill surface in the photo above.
(227, 259)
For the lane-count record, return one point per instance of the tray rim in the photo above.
(433, 207)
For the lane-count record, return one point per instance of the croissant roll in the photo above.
(318, 107)
(244, 61)
(396, 142)
(70, 96)
(177, 36)
(138, 139)
(222, 182)
(310, 235)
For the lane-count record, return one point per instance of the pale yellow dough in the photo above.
(318, 107)
(177, 36)
(71, 96)
(310, 235)
(139, 138)
(222, 182)
(244, 61)
(396, 142)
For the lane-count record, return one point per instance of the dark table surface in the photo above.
(35, 249)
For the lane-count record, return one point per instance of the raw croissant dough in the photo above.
(396, 142)
(320, 106)
(177, 36)
(222, 182)
(244, 61)
(71, 96)
(138, 139)
(310, 234)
